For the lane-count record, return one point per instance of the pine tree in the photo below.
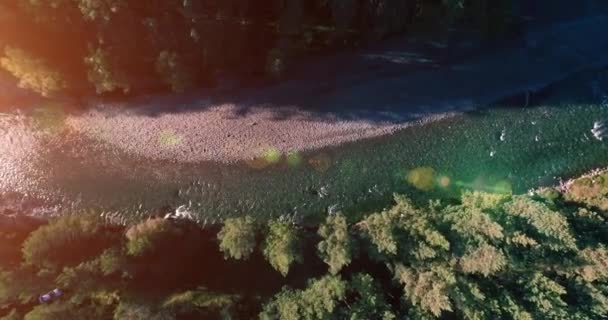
(369, 301)
(553, 226)
(102, 74)
(545, 296)
(282, 247)
(427, 289)
(238, 237)
(336, 247)
(318, 301)
(485, 260)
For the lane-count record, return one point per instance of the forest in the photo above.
(126, 47)
(541, 255)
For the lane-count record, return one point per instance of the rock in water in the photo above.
(182, 212)
(598, 130)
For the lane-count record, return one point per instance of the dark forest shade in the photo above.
(128, 46)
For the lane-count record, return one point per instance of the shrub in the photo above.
(112, 261)
(589, 191)
(146, 238)
(22, 286)
(138, 311)
(67, 241)
(336, 247)
(237, 238)
(13, 315)
(200, 301)
(33, 73)
(317, 301)
(173, 72)
(282, 247)
(102, 74)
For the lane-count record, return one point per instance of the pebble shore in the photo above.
(220, 134)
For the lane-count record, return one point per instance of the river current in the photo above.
(500, 148)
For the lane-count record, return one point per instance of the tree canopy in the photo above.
(130, 46)
(486, 256)
(282, 246)
(238, 237)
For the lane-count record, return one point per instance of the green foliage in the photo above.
(275, 63)
(523, 240)
(238, 238)
(595, 264)
(102, 74)
(112, 261)
(67, 241)
(282, 246)
(172, 71)
(86, 283)
(472, 224)
(370, 302)
(336, 247)
(138, 44)
(138, 311)
(52, 312)
(550, 194)
(510, 308)
(22, 286)
(485, 260)
(62, 311)
(419, 237)
(317, 301)
(13, 315)
(427, 290)
(380, 227)
(553, 226)
(545, 295)
(483, 200)
(99, 9)
(145, 238)
(33, 73)
(489, 257)
(590, 191)
(200, 301)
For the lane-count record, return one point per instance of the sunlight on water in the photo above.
(464, 152)
(422, 178)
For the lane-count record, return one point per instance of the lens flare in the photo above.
(422, 178)
(50, 119)
(272, 155)
(503, 187)
(479, 184)
(266, 156)
(168, 138)
(294, 159)
(444, 181)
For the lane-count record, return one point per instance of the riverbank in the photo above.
(477, 241)
(304, 114)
